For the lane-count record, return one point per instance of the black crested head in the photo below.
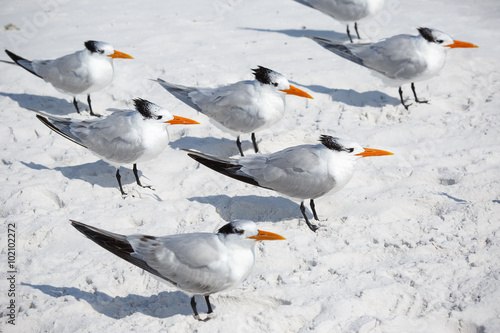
(332, 143)
(229, 229)
(262, 74)
(427, 34)
(91, 45)
(143, 107)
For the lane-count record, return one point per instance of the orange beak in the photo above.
(297, 92)
(374, 152)
(266, 235)
(119, 54)
(181, 121)
(457, 43)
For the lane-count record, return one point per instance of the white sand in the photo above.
(410, 245)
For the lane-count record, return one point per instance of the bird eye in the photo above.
(238, 231)
(349, 150)
(101, 51)
(275, 84)
(159, 117)
(439, 41)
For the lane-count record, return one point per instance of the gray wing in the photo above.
(339, 49)
(60, 125)
(189, 260)
(66, 73)
(298, 172)
(227, 167)
(114, 138)
(233, 106)
(116, 244)
(185, 261)
(180, 92)
(395, 57)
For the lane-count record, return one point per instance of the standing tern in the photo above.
(122, 137)
(301, 172)
(400, 59)
(196, 263)
(346, 11)
(242, 107)
(82, 72)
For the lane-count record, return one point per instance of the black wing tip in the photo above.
(47, 122)
(223, 167)
(54, 128)
(323, 40)
(79, 225)
(83, 228)
(17, 58)
(14, 56)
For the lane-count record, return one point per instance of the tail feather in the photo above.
(338, 48)
(116, 244)
(26, 64)
(62, 132)
(226, 167)
(180, 92)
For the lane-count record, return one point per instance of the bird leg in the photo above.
(313, 208)
(303, 210)
(137, 177)
(238, 143)
(356, 28)
(196, 315)
(255, 147)
(349, 33)
(415, 94)
(75, 103)
(119, 178)
(90, 107)
(208, 305)
(401, 97)
(193, 306)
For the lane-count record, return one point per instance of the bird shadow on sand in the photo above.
(252, 207)
(354, 98)
(49, 104)
(96, 173)
(221, 147)
(301, 33)
(162, 305)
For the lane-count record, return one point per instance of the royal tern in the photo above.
(196, 263)
(301, 172)
(400, 59)
(346, 11)
(122, 137)
(82, 72)
(242, 107)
